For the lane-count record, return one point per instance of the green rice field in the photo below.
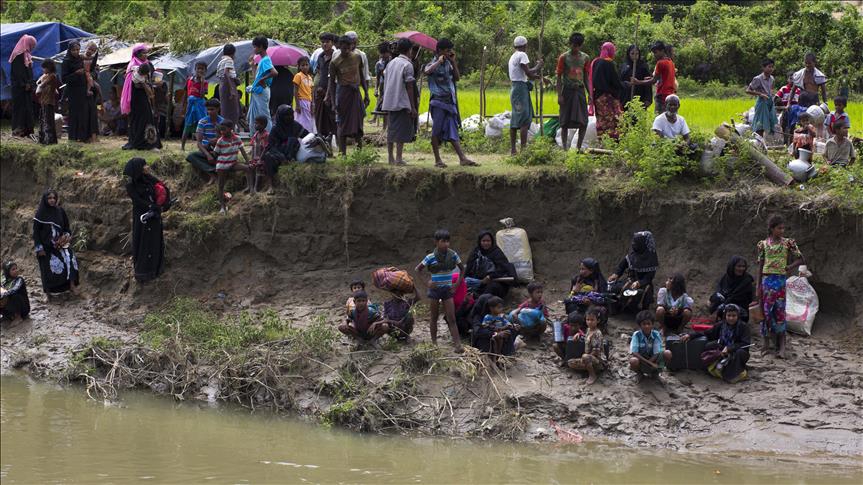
(702, 114)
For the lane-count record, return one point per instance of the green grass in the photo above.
(702, 114)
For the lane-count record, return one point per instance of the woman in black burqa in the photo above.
(283, 142)
(83, 122)
(633, 278)
(52, 239)
(148, 244)
(736, 286)
(486, 263)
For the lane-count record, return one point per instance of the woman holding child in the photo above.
(52, 237)
(83, 123)
(486, 265)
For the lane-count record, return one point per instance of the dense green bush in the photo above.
(713, 40)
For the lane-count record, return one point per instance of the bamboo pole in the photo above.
(635, 42)
(541, 78)
(170, 119)
(482, 83)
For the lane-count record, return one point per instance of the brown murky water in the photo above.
(50, 435)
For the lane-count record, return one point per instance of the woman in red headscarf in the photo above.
(606, 89)
(22, 86)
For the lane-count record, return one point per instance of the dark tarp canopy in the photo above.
(51, 38)
(212, 56)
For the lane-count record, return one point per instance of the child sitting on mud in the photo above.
(365, 323)
(574, 326)
(532, 327)
(441, 263)
(593, 361)
(646, 355)
(503, 331)
(355, 286)
(673, 305)
(397, 314)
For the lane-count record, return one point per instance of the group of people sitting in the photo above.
(471, 297)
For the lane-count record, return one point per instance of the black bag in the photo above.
(685, 355)
(574, 348)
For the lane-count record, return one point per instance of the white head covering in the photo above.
(519, 41)
(353, 35)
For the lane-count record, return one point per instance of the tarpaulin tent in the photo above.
(212, 56)
(51, 38)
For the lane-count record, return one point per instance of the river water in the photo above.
(50, 434)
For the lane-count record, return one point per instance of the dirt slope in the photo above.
(297, 250)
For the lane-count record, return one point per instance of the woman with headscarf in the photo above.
(139, 56)
(143, 134)
(736, 287)
(21, 79)
(148, 244)
(587, 289)
(282, 89)
(283, 142)
(13, 294)
(52, 239)
(638, 268)
(485, 264)
(226, 73)
(635, 66)
(75, 92)
(606, 87)
(729, 342)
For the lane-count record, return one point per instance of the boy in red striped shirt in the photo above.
(226, 151)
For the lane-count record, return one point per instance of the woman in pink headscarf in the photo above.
(22, 86)
(606, 89)
(139, 56)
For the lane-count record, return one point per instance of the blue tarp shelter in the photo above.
(51, 38)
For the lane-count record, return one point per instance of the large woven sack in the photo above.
(801, 305)
(394, 280)
(515, 245)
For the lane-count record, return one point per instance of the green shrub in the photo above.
(652, 160)
(361, 157)
(542, 150)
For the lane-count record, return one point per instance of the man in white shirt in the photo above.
(519, 75)
(670, 124)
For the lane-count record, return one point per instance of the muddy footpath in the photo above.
(296, 251)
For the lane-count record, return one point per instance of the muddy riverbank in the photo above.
(295, 252)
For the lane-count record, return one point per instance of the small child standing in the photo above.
(257, 147)
(384, 58)
(673, 305)
(196, 92)
(89, 58)
(804, 135)
(365, 322)
(762, 87)
(355, 286)
(838, 114)
(593, 361)
(46, 91)
(646, 354)
(503, 331)
(840, 150)
(774, 254)
(787, 96)
(534, 302)
(226, 151)
(303, 83)
(441, 263)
